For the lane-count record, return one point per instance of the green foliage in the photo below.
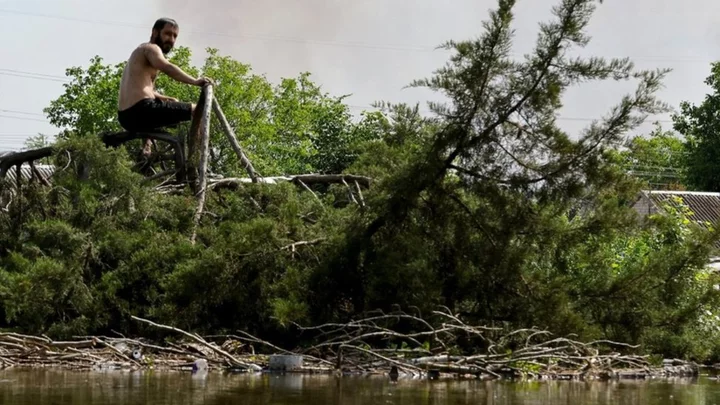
(658, 159)
(89, 103)
(504, 217)
(289, 128)
(111, 247)
(487, 208)
(699, 124)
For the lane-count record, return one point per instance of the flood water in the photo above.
(33, 387)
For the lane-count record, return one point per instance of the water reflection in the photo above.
(26, 387)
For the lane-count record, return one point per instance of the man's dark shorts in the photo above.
(151, 114)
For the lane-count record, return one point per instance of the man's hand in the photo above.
(203, 81)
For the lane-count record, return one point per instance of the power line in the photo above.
(23, 118)
(221, 34)
(50, 79)
(655, 58)
(33, 73)
(21, 112)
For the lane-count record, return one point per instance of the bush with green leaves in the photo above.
(487, 208)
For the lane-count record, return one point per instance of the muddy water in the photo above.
(33, 387)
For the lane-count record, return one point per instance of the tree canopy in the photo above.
(289, 128)
(699, 125)
(659, 159)
(487, 207)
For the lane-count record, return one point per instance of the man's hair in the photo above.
(162, 22)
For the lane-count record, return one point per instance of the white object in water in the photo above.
(200, 364)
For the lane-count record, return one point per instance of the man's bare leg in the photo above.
(147, 147)
(147, 142)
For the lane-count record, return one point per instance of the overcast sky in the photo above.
(368, 48)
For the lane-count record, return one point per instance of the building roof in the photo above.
(26, 172)
(705, 206)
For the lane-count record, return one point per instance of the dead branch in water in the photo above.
(440, 344)
(456, 347)
(202, 341)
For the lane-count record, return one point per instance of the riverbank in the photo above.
(368, 346)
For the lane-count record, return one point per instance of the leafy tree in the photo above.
(487, 208)
(290, 128)
(486, 217)
(89, 103)
(699, 125)
(658, 159)
(37, 141)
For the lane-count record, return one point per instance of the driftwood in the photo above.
(379, 342)
(202, 341)
(204, 137)
(425, 347)
(230, 134)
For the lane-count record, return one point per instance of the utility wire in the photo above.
(34, 77)
(23, 118)
(23, 72)
(21, 112)
(221, 34)
(312, 41)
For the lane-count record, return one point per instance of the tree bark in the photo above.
(204, 146)
(196, 143)
(233, 141)
(18, 158)
(300, 179)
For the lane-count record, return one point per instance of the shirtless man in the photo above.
(140, 107)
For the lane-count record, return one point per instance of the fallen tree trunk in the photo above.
(19, 158)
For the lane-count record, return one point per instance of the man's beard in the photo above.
(166, 48)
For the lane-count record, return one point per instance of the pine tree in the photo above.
(498, 214)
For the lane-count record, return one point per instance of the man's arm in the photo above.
(157, 60)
